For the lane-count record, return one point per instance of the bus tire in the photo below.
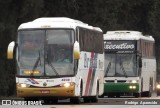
(149, 93)
(77, 100)
(101, 96)
(95, 98)
(158, 93)
(86, 100)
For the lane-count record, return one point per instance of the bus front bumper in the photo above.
(121, 88)
(46, 92)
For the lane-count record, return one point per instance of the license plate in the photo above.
(45, 91)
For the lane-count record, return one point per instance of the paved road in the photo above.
(122, 102)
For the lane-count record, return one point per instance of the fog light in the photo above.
(130, 87)
(67, 84)
(134, 87)
(23, 85)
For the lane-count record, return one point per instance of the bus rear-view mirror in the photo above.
(76, 50)
(10, 50)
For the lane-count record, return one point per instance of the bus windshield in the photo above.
(45, 52)
(120, 65)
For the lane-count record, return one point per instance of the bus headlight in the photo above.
(134, 81)
(158, 86)
(23, 85)
(132, 87)
(67, 84)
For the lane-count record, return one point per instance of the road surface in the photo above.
(122, 102)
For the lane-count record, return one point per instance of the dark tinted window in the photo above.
(90, 40)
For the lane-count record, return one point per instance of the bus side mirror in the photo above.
(140, 62)
(76, 50)
(10, 51)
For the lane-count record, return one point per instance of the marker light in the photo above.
(134, 81)
(31, 72)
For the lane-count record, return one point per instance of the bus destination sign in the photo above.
(117, 45)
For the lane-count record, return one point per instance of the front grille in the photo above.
(121, 81)
(112, 81)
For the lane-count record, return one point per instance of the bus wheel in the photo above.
(77, 100)
(158, 93)
(95, 98)
(86, 100)
(149, 93)
(101, 96)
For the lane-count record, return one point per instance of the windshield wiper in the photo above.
(108, 68)
(36, 63)
(121, 65)
(51, 65)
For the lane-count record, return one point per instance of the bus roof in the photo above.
(56, 22)
(126, 35)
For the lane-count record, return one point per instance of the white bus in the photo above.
(130, 64)
(58, 58)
